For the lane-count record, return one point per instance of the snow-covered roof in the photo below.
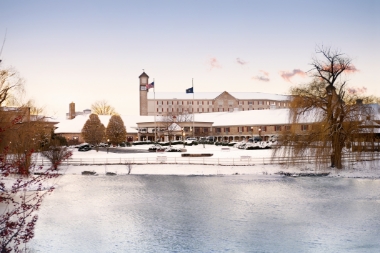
(213, 95)
(235, 118)
(75, 125)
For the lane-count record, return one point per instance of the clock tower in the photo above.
(143, 94)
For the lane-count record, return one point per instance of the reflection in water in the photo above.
(209, 214)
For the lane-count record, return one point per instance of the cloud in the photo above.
(359, 90)
(240, 61)
(263, 77)
(351, 69)
(288, 75)
(213, 63)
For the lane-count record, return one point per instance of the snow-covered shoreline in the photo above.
(365, 169)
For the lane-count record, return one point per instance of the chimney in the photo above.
(72, 110)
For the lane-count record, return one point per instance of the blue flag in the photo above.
(190, 90)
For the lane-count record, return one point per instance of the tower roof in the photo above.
(143, 74)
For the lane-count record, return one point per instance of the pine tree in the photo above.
(93, 130)
(116, 132)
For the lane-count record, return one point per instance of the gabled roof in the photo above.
(225, 93)
(143, 74)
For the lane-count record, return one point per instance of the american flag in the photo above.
(150, 85)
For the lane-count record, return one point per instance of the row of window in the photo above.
(247, 129)
(161, 110)
(230, 102)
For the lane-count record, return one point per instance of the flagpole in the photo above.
(192, 86)
(154, 99)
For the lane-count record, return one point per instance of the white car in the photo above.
(190, 140)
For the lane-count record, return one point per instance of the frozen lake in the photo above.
(250, 213)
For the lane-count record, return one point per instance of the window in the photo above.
(230, 102)
(250, 102)
(287, 128)
(189, 102)
(240, 129)
(209, 102)
(179, 109)
(220, 103)
(226, 129)
(272, 103)
(218, 130)
(159, 102)
(179, 102)
(170, 102)
(260, 102)
(170, 109)
(205, 130)
(304, 127)
(221, 110)
(277, 128)
(241, 102)
(263, 128)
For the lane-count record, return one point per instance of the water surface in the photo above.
(209, 214)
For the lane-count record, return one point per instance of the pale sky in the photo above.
(84, 51)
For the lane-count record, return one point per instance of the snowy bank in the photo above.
(364, 169)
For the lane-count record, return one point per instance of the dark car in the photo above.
(84, 147)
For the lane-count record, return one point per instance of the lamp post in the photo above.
(183, 137)
(108, 143)
(260, 132)
(252, 132)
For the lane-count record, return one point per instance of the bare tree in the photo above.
(115, 131)
(93, 130)
(173, 122)
(102, 107)
(22, 184)
(324, 114)
(56, 153)
(10, 84)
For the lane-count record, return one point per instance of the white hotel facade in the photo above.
(162, 103)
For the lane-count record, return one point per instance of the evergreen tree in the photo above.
(93, 130)
(116, 132)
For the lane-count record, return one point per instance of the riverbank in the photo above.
(363, 169)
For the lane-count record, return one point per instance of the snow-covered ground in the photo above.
(359, 169)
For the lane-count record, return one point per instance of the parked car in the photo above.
(85, 147)
(202, 139)
(253, 143)
(211, 139)
(190, 140)
(239, 145)
(103, 145)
